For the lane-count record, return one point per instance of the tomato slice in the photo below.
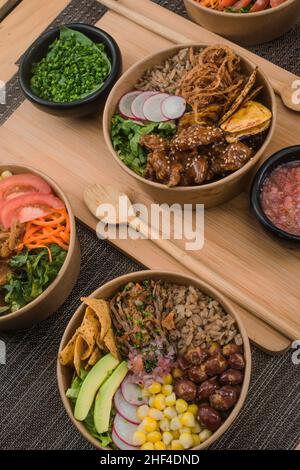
(226, 3)
(241, 4)
(17, 185)
(276, 3)
(259, 5)
(28, 207)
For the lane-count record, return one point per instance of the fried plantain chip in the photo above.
(241, 98)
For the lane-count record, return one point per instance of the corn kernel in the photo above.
(151, 401)
(155, 414)
(170, 412)
(204, 435)
(159, 446)
(164, 424)
(154, 436)
(6, 174)
(196, 440)
(149, 424)
(181, 405)
(188, 419)
(176, 434)
(167, 438)
(176, 445)
(171, 399)
(154, 388)
(142, 412)
(175, 424)
(168, 379)
(160, 402)
(140, 427)
(145, 393)
(196, 428)
(186, 440)
(139, 438)
(183, 430)
(167, 390)
(213, 347)
(147, 446)
(193, 409)
(177, 373)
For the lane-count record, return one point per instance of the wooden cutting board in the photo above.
(72, 151)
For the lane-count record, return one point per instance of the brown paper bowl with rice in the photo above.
(57, 292)
(246, 28)
(65, 374)
(210, 194)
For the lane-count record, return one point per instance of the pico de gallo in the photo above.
(240, 6)
(34, 238)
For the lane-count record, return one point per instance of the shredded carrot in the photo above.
(52, 228)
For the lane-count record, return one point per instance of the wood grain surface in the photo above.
(74, 154)
(5, 6)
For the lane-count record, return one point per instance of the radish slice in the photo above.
(132, 393)
(125, 409)
(126, 102)
(124, 429)
(138, 104)
(152, 108)
(173, 107)
(119, 443)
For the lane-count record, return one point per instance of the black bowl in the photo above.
(284, 156)
(86, 105)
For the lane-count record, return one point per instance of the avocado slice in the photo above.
(95, 378)
(103, 401)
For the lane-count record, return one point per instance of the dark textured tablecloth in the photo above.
(31, 413)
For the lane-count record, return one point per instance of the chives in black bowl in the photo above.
(70, 70)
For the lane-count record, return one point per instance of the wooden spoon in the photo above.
(285, 91)
(96, 195)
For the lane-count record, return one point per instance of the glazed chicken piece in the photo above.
(154, 142)
(196, 171)
(234, 157)
(195, 136)
(165, 170)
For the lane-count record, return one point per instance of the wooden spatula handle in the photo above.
(210, 277)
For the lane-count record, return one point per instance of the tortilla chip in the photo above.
(110, 343)
(102, 311)
(94, 358)
(80, 347)
(89, 330)
(66, 357)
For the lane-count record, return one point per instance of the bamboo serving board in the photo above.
(72, 151)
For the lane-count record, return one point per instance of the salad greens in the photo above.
(31, 273)
(73, 68)
(126, 136)
(72, 393)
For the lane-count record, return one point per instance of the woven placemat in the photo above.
(31, 412)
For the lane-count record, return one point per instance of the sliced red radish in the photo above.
(173, 107)
(132, 392)
(119, 443)
(124, 429)
(138, 104)
(125, 409)
(152, 108)
(126, 102)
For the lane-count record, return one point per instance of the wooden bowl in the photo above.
(211, 194)
(64, 374)
(247, 28)
(58, 291)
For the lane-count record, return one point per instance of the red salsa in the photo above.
(280, 198)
